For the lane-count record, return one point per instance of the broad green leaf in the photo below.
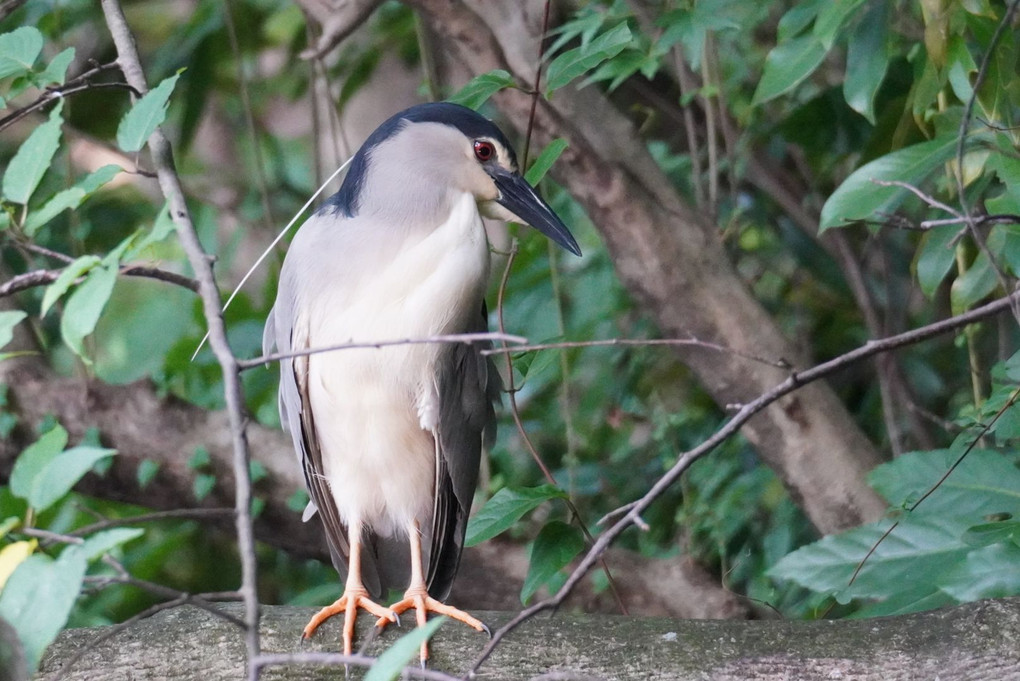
(62, 472)
(985, 482)
(859, 197)
(505, 508)
(867, 60)
(67, 277)
(18, 50)
(908, 600)
(13, 555)
(545, 161)
(831, 18)
(787, 65)
(960, 68)
(145, 116)
(577, 61)
(797, 18)
(935, 257)
(391, 663)
(8, 320)
(83, 307)
(103, 542)
(56, 70)
(71, 197)
(555, 546)
(917, 552)
(28, 166)
(30, 464)
(39, 596)
(974, 285)
(481, 87)
(989, 572)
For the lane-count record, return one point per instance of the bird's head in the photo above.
(444, 145)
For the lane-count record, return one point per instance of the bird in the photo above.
(389, 439)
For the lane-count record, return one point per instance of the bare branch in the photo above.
(627, 342)
(170, 184)
(448, 338)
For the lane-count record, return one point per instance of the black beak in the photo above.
(521, 199)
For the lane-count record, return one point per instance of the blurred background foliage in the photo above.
(814, 92)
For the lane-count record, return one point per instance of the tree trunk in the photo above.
(976, 641)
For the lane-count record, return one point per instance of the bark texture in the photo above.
(979, 641)
(672, 262)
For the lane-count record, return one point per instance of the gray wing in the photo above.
(283, 331)
(468, 387)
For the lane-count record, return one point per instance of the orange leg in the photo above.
(355, 596)
(417, 597)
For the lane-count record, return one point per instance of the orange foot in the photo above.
(423, 604)
(348, 604)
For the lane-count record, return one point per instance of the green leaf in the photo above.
(917, 552)
(103, 542)
(256, 471)
(203, 485)
(28, 166)
(975, 284)
(831, 17)
(989, 572)
(83, 307)
(935, 257)
(392, 662)
(859, 197)
(8, 320)
(35, 459)
(56, 70)
(481, 87)
(787, 65)
(146, 473)
(545, 161)
(67, 277)
(62, 472)
(984, 483)
(867, 60)
(555, 546)
(297, 501)
(200, 459)
(18, 51)
(505, 508)
(72, 197)
(145, 116)
(575, 62)
(161, 229)
(38, 598)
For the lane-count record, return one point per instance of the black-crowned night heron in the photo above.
(390, 438)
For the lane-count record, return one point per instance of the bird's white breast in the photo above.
(375, 409)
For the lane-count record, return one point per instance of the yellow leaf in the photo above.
(12, 555)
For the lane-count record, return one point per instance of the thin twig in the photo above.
(201, 263)
(684, 460)
(37, 278)
(155, 516)
(625, 342)
(467, 338)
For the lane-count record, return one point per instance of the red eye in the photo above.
(484, 151)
